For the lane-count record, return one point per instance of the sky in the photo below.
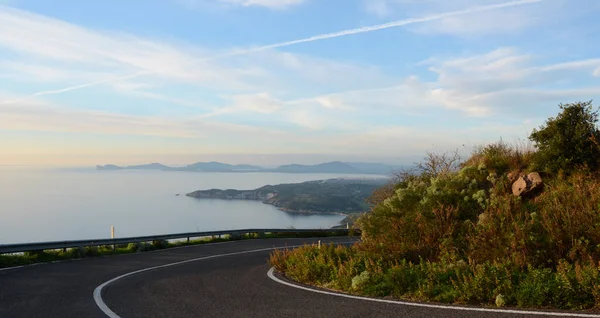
(281, 81)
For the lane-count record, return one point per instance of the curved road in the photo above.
(234, 285)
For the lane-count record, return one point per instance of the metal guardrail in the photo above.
(26, 247)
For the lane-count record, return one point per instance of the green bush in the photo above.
(160, 244)
(501, 158)
(426, 216)
(569, 141)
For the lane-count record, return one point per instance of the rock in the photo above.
(513, 176)
(528, 186)
(519, 186)
(535, 179)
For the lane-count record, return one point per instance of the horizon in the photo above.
(256, 162)
(237, 81)
(263, 161)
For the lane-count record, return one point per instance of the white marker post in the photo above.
(112, 235)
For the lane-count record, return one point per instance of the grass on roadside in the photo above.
(33, 257)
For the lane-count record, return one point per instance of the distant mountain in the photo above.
(152, 166)
(213, 166)
(328, 167)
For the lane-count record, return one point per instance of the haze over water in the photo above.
(48, 205)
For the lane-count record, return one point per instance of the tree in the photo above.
(438, 163)
(570, 140)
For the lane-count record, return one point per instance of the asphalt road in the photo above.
(226, 286)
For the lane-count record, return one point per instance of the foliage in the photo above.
(570, 140)
(334, 195)
(500, 157)
(461, 236)
(500, 283)
(426, 215)
(438, 163)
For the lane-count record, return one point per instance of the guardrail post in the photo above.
(112, 236)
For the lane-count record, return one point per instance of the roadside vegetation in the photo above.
(33, 257)
(466, 232)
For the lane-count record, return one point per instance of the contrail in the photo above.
(393, 24)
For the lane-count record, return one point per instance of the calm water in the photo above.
(45, 205)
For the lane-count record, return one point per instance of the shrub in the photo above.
(361, 280)
(92, 251)
(426, 216)
(461, 236)
(570, 140)
(501, 157)
(160, 244)
(500, 302)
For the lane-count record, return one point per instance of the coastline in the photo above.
(276, 206)
(306, 211)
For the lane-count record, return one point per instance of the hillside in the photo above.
(333, 195)
(509, 226)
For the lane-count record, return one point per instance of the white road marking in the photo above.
(506, 311)
(98, 291)
(14, 267)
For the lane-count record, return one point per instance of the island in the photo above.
(340, 195)
(213, 166)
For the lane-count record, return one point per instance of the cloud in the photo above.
(32, 71)
(502, 83)
(227, 4)
(474, 83)
(21, 31)
(332, 102)
(71, 47)
(261, 102)
(35, 115)
(269, 99)
(503, 20)
(272, 4)
(380, 8)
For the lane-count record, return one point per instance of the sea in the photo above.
(39, 205)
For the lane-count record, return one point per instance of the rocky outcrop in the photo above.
(513, 176)
(528, 186)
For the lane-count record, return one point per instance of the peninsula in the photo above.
(323, 196)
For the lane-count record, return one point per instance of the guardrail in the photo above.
(38, 246)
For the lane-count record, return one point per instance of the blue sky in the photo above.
(274, 81)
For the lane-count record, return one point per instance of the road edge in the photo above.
(272, 276)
